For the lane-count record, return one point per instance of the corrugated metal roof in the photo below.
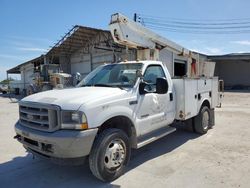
(232, 56)
(78, 37)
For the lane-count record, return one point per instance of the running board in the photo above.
(151, 137)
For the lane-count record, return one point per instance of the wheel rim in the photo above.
(115, 154)
(205, 120)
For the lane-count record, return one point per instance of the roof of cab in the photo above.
(146, 62)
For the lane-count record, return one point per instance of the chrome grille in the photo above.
(39, 116)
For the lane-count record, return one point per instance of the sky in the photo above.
(29, 28)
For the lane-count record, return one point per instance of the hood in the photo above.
(73, 98)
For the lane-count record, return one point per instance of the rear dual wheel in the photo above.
(202, 120)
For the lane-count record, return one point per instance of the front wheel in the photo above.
(202, 120)
(110, 154)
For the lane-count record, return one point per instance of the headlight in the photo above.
(75, 117)
(74, 120)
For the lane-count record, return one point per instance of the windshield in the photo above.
(113, 75)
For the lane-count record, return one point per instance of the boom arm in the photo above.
(133, 35)
(129, 33)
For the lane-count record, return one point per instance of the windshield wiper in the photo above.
(106, 85)
(102, 85)
(88, 85)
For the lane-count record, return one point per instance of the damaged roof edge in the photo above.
(77, 32)
(16, 70)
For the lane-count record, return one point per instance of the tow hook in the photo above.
(17, 137)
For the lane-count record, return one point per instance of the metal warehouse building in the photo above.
(234, 69)
(81, 50)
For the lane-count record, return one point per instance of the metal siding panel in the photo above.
(26, 75)
(102, 58)
(80, 63)
(77, 58)
(130, 55)
(96, 65)
(234, 73)
(166, 57)
(82, 67)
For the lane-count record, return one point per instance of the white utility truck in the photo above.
(115, 108)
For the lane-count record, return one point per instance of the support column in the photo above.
(91, 61)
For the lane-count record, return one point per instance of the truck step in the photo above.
(151, 137)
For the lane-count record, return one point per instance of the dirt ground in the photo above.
(221, 158)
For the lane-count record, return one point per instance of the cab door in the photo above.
(152, 109)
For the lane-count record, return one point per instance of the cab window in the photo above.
(151, 74)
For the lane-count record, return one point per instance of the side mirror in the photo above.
(139, 74)
(161, 85)
(142, 88)
(78, 76)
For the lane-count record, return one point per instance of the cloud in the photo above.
(12, 57)
(32, 49)
(213, 51)
(208, 50)
(15, 50)
(242, 52)
(242, 42)
(3, 68)
(21, 38)
(27, 44)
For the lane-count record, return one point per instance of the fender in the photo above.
(107, 112)
(204, 100)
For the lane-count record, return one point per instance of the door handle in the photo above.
(171, 96)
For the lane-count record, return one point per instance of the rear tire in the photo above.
(110, 154)
(202, 120)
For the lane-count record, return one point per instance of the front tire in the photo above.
(202, 120)
(110, 154)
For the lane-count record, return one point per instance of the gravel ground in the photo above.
(221, 158)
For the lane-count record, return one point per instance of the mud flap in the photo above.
(189, 125)
(212, 118)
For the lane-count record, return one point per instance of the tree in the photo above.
(6, 81)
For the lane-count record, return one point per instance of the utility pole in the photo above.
(135, 17)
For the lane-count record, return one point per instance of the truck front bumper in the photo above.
(61, 144)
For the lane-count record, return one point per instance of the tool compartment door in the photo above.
(215, 93)
(186, 98)
(190, 90)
